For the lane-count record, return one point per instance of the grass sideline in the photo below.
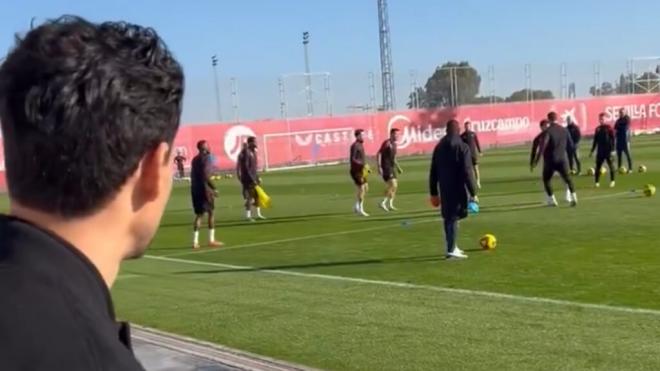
(266, 293)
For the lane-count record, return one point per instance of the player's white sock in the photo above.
(259, 213)
(552, 200)
(356, 207)
(383, 205)
(196, 238)
(211, 235)
(569, 196)
(391, 203)
(361, 206)
(574, 197)
(248, 214)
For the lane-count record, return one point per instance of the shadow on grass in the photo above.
(423, 192)
(168, 248)
(274, 220)
(399, 218)
(509, 193)
(524, 179)
(518, 206)
(189, 210)
(410, 259)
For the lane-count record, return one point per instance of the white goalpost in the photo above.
(309, 148)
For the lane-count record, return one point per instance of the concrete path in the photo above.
(160, 351)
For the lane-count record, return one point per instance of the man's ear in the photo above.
(155, 165)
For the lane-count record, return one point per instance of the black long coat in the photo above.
(452, 176)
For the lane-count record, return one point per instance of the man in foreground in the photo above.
(358, 163)
(622, 130)
(387, 168)
(604, 142)
(89, 113)
(574, 151)
(203, 193)
(472, 140)
(452, 184)
(246, 172)
(553, 147)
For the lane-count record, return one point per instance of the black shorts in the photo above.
(388, 174)
(203, 203)
(561, 167)
(622, 147)
(358, 179)
(249, 191)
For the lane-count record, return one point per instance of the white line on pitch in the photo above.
(127, 276)
(364, 230)
(403, 285)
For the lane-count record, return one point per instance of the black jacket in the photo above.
(575, 133)
(472, 140)
(56, 312)
(200, 174)
(622, 130)
(603, 141)
(247, 167)
(556, 144)
(536, 143)
(452, 176)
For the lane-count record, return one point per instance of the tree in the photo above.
(487, 100)
(417, 99)
(623, 86)
(452, 84)
(605, 88)
(524, 94)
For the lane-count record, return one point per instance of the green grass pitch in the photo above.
(318, 286)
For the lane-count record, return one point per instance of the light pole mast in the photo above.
(389, 102)
(308, 76)
(214, 63)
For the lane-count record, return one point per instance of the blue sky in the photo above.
(258, 40)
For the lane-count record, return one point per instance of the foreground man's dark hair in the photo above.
(80, 106)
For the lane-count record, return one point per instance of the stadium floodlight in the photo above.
(214, 64)
(308, 78)
(387, 70)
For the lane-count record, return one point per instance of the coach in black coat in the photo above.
(452, 177)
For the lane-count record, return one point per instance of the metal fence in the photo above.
(343, 92)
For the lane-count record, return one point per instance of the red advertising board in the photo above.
(287, 142)
(497, 125)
